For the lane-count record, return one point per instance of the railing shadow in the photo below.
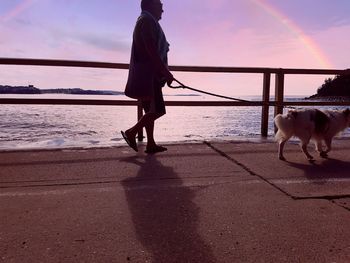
(164, 214)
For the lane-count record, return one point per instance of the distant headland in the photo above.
(335, 89)
(30, 89)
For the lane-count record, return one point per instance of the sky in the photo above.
(234, 33)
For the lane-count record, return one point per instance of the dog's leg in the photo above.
(319, 148)
(280, 149)
(329, 145)
(328, 142)
(307, 154)
(304, 143)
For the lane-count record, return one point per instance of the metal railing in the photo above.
(265, 102)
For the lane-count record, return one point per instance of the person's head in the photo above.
(155, 7)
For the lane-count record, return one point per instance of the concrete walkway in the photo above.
(205, 202)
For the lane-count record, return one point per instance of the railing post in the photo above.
(265, 107)
(279, 93)
(139, 116)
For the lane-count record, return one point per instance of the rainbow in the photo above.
(18, 9)
(307, 41)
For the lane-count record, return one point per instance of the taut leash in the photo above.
(183, 86)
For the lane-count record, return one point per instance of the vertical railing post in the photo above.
(279, 92)
(265, 107)
(139, 116)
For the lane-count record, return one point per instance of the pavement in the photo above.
(197, 202)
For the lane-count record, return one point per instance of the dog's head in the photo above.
(347, 116)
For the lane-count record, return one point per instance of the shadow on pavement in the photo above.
(164, 216)
(325, 169)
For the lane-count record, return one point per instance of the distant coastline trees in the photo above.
(339, 86)
(19, 90)
(30, 89)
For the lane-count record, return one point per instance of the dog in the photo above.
(307, 124)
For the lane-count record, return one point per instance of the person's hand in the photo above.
(169, 78)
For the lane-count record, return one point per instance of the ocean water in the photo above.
(64, 126)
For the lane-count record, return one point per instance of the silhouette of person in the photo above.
(164, 213)
(148, 73)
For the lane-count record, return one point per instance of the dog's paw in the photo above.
(281, 158)
(323, 154)
(310, 158)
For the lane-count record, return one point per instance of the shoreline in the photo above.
(255, 139)
(250, 140)
(328, 98)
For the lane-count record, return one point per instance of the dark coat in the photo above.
(143, 75)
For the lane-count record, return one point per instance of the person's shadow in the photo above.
(164, 214)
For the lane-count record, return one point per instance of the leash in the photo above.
(183, 86)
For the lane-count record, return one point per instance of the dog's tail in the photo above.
(285, 126)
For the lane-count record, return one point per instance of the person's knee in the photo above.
(154, 115)
(158, 115)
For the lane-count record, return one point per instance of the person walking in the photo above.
(148, 73)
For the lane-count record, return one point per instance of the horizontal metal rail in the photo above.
(123, 102)
(110, 65)
(68, 102)
(14, 101)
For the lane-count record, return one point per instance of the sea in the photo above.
(69, 126)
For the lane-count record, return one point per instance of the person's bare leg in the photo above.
(150, 134)
(146, 120)
(152, 146)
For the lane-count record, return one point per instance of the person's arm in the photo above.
(157, 61)
(150, 43)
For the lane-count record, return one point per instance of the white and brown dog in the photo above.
(309, 124)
